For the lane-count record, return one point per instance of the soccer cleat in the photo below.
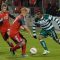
(35, 37)
(24, 55)
(12, 51)
(46, 52)
(59, 41)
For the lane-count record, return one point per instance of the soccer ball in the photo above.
(33, 51)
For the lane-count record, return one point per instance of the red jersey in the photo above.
(18, 22)
(5, 17)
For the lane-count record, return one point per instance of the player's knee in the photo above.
(40, 37)
(23, 38)
(22, 43)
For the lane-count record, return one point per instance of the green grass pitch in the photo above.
(53, 47)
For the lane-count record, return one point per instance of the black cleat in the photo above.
(12, 51)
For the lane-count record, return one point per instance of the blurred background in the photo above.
(51, 7)
(48, 6)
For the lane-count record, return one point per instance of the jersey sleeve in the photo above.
(34, 25)
(34, 28)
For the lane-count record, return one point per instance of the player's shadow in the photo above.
(48, 55)
(38, 55)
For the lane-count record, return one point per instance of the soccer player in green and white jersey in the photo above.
(47, 29)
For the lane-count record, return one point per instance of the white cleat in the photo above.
(46, 52)
(59, 41)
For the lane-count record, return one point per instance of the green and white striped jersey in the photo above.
(45, 22)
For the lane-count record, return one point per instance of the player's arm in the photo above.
(55, 19)
(34, 30)
(27, 29)
(12, 16)
(22, 23)
(35, 23)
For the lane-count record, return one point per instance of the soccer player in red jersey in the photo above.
(15, 34)
(4, 23)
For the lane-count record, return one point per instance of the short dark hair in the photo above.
(39, 11)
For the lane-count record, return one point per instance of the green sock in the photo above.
(43, 43)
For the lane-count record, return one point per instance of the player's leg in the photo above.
(24, 46)
(24, 49)
(4, 34)
(54, 36)
(20, 44)
(43, 35)
(6, 38)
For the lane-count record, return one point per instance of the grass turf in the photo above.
(52, 46)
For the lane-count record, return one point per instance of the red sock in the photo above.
(10, 44)
(24, 49)
(16, 47)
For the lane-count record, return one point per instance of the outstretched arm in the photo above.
(34, 30)
(22, 23)
(27, 29)
(55, 19)
(35, 23)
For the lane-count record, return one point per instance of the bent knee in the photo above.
(40, 37)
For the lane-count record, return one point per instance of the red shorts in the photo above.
(17, 38)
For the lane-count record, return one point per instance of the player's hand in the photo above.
(35, 37)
